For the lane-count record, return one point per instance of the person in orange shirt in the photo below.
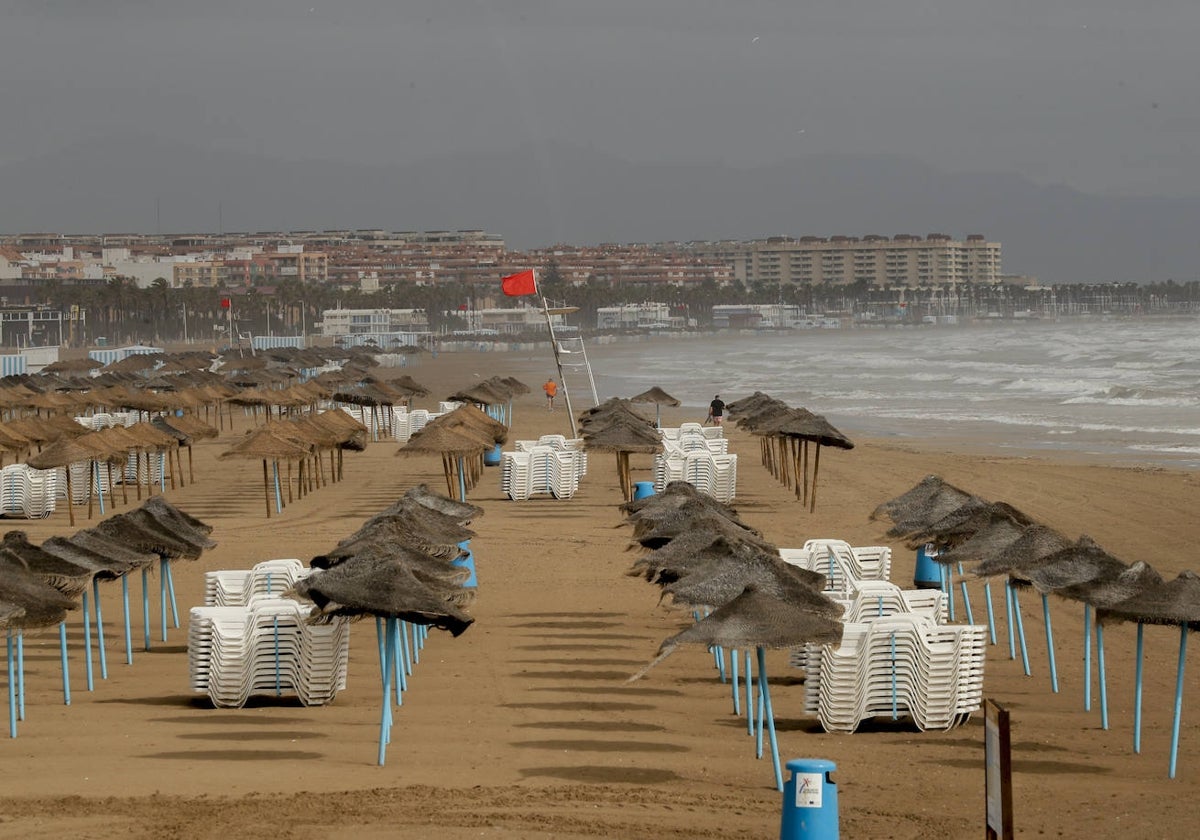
(551, 390)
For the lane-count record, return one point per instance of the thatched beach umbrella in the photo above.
(755, 619)
(265, 444)
(659, 398)
(623, 432)
(455, 445)
(1173, 602)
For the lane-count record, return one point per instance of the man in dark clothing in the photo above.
(716, 410)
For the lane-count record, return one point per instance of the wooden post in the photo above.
(812, 500)
(289, 480)
(191, 469)
(267, 487)
(70, 499)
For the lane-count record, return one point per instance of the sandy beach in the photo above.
(525, 726)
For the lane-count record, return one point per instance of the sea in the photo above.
(1112, 391)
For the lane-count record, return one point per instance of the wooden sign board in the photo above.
(997, 750)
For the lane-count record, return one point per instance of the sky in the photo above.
(1102, 96)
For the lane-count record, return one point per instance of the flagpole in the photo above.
(558, 362)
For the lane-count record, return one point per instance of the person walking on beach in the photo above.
(551, 390)
(716, 410)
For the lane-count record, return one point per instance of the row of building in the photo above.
(370, 260)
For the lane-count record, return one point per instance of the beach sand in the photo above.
(525, 726)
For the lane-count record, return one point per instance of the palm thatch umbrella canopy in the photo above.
(968, 519)
(379, 586)
(408, 386)
(623, 435)
(482, 393)
(700, 569)
(69, 578)
(924, 504)
(1021, 556)
(67, 451)
(267, 444)
(995, 531)
(455, 444)
(515, 385)
(1083, 564)
(674, 496)
(43, 605)
(659, 398)
(459, 512)
(470, 417)
(134, 363)
(72, 366)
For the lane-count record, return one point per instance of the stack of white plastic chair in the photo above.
(898, 666)
(446, 406)
(560, 443)
(515, 475)
(27, 492)
(714, 475)
(842, 564)
(82, 473)
(407, 423)
(266, 647)
(43, 493)
(99, 420)
(542, 470)
(235, 587)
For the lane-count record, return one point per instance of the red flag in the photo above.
(224, 303)
(518, 284)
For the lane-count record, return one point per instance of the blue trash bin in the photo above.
(642, 489)
(928, 574)
(810, 806)
(491, 458)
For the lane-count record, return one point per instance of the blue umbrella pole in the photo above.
(987, 595)
(1021, 630)
(66, 665)
(397, 666)
(462, 481)
(128, 629)
(766, 692)
(1050, 643)
(99, 629)
(171, 592)
(20, 675)
(1100, 673)
(1137, 692)
(379, 642)
(12, 687)
(733, 669)
(749, 697)
(385, 717)
(416, 644)
(1183, 631)
(146, 605)
(1087, 657)
(966, 598)
(405, 648)
(87, 643)
(719, 655)
(162, 595)
(1008, 608)
(948, 588)
(762, 717)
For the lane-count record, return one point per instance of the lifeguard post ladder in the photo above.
(570, 357)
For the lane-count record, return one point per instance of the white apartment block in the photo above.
(349, 322)
(902, 260)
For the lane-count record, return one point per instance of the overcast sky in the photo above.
(1100, 95)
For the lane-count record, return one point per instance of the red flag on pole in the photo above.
(522, 283)
(224, 303)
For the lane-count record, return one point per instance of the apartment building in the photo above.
(901, 260)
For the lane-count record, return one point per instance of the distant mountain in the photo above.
(545, 194)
